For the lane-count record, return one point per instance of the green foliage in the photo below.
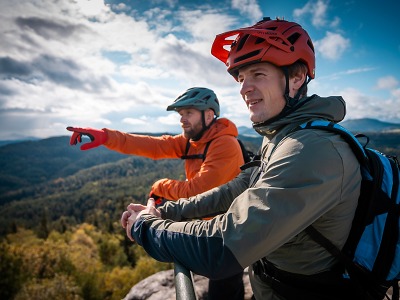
(81, 263)
(60, 287)
(110, 251)
(12, 277)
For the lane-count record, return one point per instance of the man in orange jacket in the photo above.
(209, 146)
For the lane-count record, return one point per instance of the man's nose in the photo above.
(245, 87)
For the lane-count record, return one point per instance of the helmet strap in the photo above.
(290, 102)
(203, 122)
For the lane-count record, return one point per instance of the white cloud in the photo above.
(317, 10)
(248, 8)
(54, 63)
(91, 8)
(337, 75)
(396, 94)
(359, 105)
(120, 7)
(387, 83)
(170, 119)
(335, 22)
(133, 121)
(332, 46)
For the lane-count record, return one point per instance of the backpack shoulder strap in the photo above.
(195, 156)
(355, 145)
(248, 155)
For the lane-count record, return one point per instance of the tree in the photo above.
(11, 275)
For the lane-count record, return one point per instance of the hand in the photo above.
(97, 136)
(134, 211)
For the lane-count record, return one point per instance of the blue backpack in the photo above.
(371, 255)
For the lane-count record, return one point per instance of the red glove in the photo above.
(158, 201)
(97, 136)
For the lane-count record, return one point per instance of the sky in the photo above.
(119, 64)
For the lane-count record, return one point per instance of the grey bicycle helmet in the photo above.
(197, 97)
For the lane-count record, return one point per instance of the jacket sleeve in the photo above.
(153, 147)
(294, 189)
(222, 163)
(210, 203)
(182, 243)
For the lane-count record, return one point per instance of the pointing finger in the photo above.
(151, 203)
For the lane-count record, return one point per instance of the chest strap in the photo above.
(195, 156)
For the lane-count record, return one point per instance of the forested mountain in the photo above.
(49, 179)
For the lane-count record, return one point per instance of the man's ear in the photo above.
(296, 82)
(209, 116)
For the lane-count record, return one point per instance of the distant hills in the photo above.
(369, 125)
(355, 125)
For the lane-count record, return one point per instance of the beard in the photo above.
(193, 131)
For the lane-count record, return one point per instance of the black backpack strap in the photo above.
(205, 150)
(362, 279)
(328, 245)
(327, 285)
(247, 155)
(255, 161)
(195, 156)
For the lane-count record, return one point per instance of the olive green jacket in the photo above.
(306, 177)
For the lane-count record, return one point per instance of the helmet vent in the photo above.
(194, 95)
(248, 55)
(259, 41)
(242, 41)
(293, 38)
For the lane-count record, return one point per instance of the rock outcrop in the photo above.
(160, 286)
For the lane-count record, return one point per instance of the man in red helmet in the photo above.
(305, 177)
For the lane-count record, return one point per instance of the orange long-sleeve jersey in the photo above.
(222, 163)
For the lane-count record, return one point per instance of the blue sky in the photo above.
(119, 64)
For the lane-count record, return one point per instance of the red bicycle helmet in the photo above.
(279, 42)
